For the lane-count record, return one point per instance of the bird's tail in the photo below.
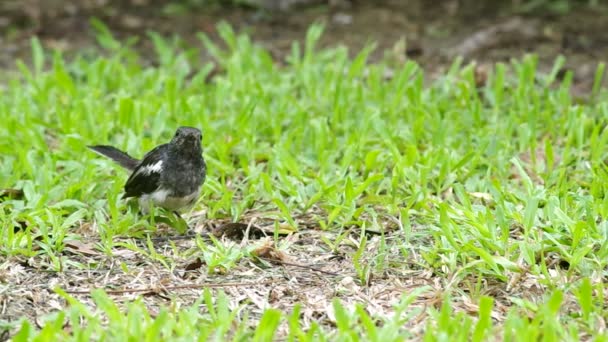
(116, 155)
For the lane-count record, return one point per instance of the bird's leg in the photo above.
(181, 218)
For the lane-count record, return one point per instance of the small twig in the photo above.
(172, 288)
(310, 267)
(170, 238)
(178, 237)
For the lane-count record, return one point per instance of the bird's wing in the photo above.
(145, 178)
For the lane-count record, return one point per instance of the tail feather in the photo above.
(116, 155)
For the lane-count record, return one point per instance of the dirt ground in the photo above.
(430, 32)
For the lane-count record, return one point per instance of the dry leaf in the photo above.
(124, 253)
(194, 265)
(80, 247)
(285, 228)
(269, 252)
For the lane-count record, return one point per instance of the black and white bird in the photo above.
(169, 176)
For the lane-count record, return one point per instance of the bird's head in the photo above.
(187, 138)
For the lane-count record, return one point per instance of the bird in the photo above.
(169, 176)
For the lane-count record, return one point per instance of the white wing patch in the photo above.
(148, 169)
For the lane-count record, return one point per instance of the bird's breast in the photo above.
(165, 199)
(184, 177)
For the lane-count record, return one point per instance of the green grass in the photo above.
(497, 195)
